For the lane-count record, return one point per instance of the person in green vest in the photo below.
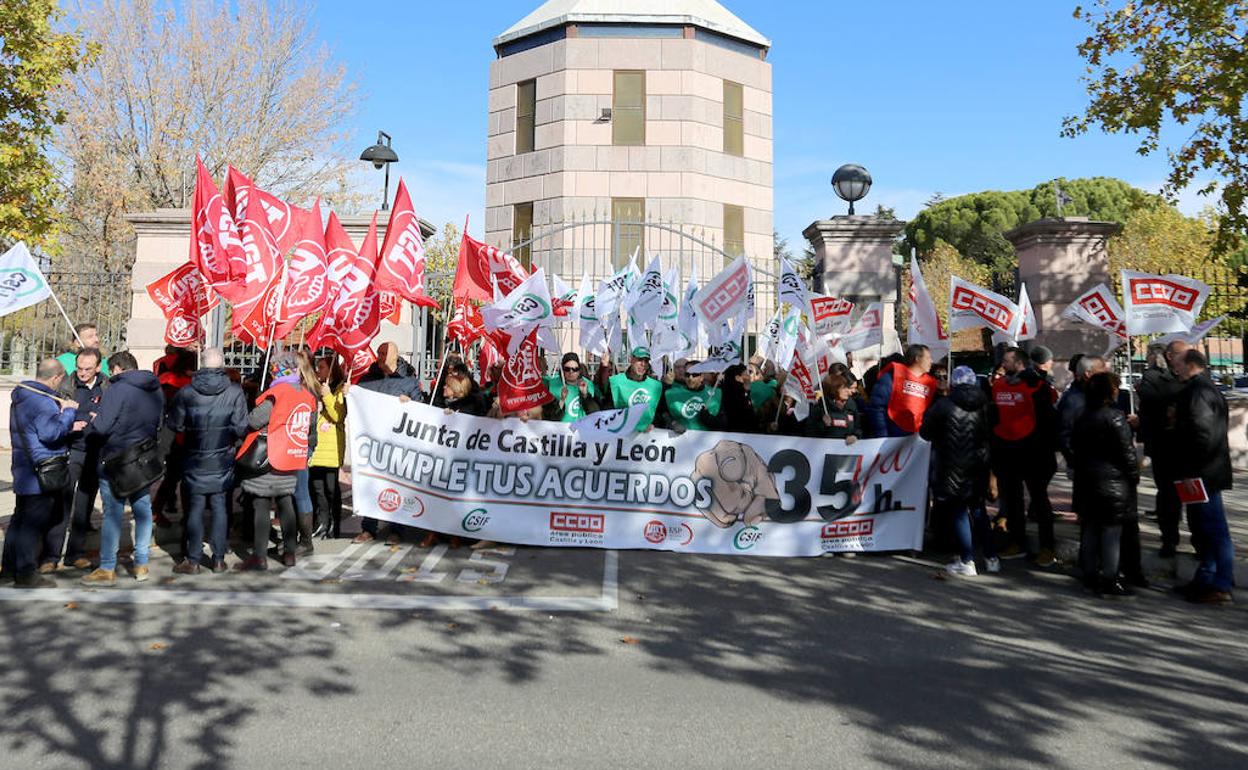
(575, 395)
(686, 399)
(634, 385)
(762, 382)
(90, 337)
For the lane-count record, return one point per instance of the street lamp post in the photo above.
(852, 183)
(381, 156)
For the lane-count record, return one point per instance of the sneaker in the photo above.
(1012, 551)
(1113, 589)
(34, 580)
(218, 566)
(141, 573)
(1206, 596)
(186, 567)
(992, 565)
(1046, 558)
(100, 577)
(963, 568)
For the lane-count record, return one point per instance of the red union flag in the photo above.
(181, 291)
(831, 315)
(391, 306)
(466, 324)
(1160, 304)
(480, 266)
(971, 307)
(264, 267)
(356, 309)
(358, 363)
(216, 247)
(725, 297)
(1098, 308)
(280, 215)
(182, 330)
(401, 269)
(307, 274)
(521, 385)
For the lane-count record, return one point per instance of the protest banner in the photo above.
(541, 483)
(1159, 304)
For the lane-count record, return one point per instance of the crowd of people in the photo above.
(258, 471)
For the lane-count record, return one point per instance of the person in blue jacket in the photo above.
(39, 427)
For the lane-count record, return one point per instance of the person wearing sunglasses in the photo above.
(574, 394)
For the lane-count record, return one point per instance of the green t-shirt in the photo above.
(761, 392)
(70, 362)
(625, 392)
(572, 409)
(684, 404)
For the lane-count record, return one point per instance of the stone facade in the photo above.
(681, 171)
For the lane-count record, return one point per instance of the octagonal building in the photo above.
(626, 111)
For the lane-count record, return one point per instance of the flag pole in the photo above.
(24, 386)
(1130, 393)
(64, 315)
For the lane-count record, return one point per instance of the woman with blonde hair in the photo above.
(303, 493)
(331, 445)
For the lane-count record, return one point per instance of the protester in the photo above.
(635, 386)
(271, 483)
(940, 372)
(392, 376)
(839, 419)
(1041, 359)
(575, 396)
(331, 443)
(458, 396)
(303, 492)
(1203, 453)
(959, 429)
(85, 386)
(1024, 453)
(174, 372)
(1160, 386)
(1106, 475)
(211, 415)
(1072, 403)
(90, 336)
(763, 385)
(128, 420)
(736, 412)
(901, 394)
(39, 429)
(687, 398)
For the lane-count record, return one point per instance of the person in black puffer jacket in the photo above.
(959, 428)
(836, 414)
(736, 412)
(1106, 476)
(211, 413)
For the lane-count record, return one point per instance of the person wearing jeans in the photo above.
(131, 410)
(110, 531)
(1204, 453)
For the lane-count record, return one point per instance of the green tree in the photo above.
(35, 60)
(780, 247)
(974, 224)
(1155, 61)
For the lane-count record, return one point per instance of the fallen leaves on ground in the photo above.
(630, 640)
(157, 646)
(71, 605)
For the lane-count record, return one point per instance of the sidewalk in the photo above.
(1164, 571)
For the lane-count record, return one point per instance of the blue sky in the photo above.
(953, 97)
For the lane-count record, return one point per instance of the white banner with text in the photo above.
(539, 483)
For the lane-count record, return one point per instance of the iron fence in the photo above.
(39, 331)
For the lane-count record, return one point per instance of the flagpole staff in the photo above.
(1130, 393)
(24, 386)
(281, 297)
(65, 315)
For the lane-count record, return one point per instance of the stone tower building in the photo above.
(629, 111)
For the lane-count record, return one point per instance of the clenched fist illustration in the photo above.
(740, 483)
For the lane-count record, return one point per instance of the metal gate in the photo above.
(39, 331)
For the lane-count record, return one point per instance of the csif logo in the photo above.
(747, 538)
(475, 520)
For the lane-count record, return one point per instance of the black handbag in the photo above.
(132, 470)
(52, 473)
(255, 461)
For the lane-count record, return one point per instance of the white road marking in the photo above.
(426, 574)
(607, 601)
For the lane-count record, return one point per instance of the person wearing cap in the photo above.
(634, 385)
(1042, 362)
(959, 428)
(686, 399)
(575, 396)
(1024, 452)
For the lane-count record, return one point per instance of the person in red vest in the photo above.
(1024, 446)
(283, 415)
(902, 393)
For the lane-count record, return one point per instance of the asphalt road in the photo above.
(567, 658)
